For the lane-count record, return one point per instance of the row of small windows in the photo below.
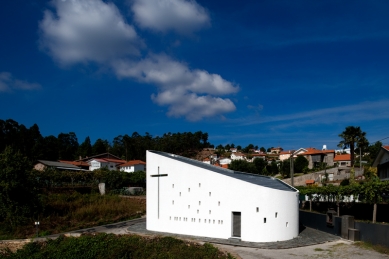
(200, 204)
(276, 214)
(189, 189)
(209, 221)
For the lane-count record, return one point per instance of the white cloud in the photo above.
(187, 92)
(87, 30)
(94, 31)
(8, 83)
(181, 16)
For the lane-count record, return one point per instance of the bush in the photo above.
(103, 246)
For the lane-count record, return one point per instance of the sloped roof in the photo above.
(133, 162)
(344, 157)
(58, 164)
(383, 150)
(314, 151)
(103, 155)
(261, 180)
(106, 160)
(76, 163)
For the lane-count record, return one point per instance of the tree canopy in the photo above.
(352, 137)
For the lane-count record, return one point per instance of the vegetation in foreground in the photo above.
(71, 211)
(112, 246)
(378, 248)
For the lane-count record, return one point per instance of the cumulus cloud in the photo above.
(187, 92)
(88, 30)
(80, 31)
(181, 16)
(8, 83)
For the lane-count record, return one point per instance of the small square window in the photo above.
(218, 203)
(188, 206)
(173, 202)
(180, 193)
(209, 194)
(276, 214)
(257, 209)
(264, 220)
(173, 185)
(197, 211)
(199, 202)
(188, 189)
(199, 184)
(209, 212)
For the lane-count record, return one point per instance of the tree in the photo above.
(18, 199)
(259, 164)
(100, 146)
(238, 147)
(85, 149)
(262, 149)
(67, 145)
(352, 136)
(300, 163)
(242, 166)
(285, 168)
(274, 168)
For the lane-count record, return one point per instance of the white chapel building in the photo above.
(188, 197)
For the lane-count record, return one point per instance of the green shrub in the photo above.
(111, 246)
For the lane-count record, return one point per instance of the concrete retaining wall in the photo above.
(376, 234)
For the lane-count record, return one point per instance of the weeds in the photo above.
(112, 246)
(66, 212)
(378, 248)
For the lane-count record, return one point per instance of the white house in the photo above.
(111, 164)
(238, 156)
(133, 166)
(224, 161)
(188, 197)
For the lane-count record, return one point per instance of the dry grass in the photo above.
(66, 212)
(378, 248)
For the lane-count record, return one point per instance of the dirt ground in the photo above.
(341, 249)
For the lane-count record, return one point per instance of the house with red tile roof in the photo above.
(382, 163)
(343, 160)
(133, 166)
(317, 156)
(109, 163)
(238, 156)
(81, 164)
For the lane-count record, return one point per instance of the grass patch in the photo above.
(112, 246)
(319, 249)
(66, 212)
(378, 248)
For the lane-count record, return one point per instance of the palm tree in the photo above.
(352, 136)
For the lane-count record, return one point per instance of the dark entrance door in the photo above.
(236, 224)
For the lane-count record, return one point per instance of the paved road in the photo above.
(310, 243)
(340, 249)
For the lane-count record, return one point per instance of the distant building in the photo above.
(343, 160)
(382, 163)
(41, 165)
(109, 163)
(133, 166)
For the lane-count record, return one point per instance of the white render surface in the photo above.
(95, 164)
(194, 200)
(133, 168)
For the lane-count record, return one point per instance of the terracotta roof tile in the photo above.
(133, 162)
(344, 157)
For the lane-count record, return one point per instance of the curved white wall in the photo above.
(195, 201)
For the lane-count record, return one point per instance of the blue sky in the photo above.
(271, 73)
